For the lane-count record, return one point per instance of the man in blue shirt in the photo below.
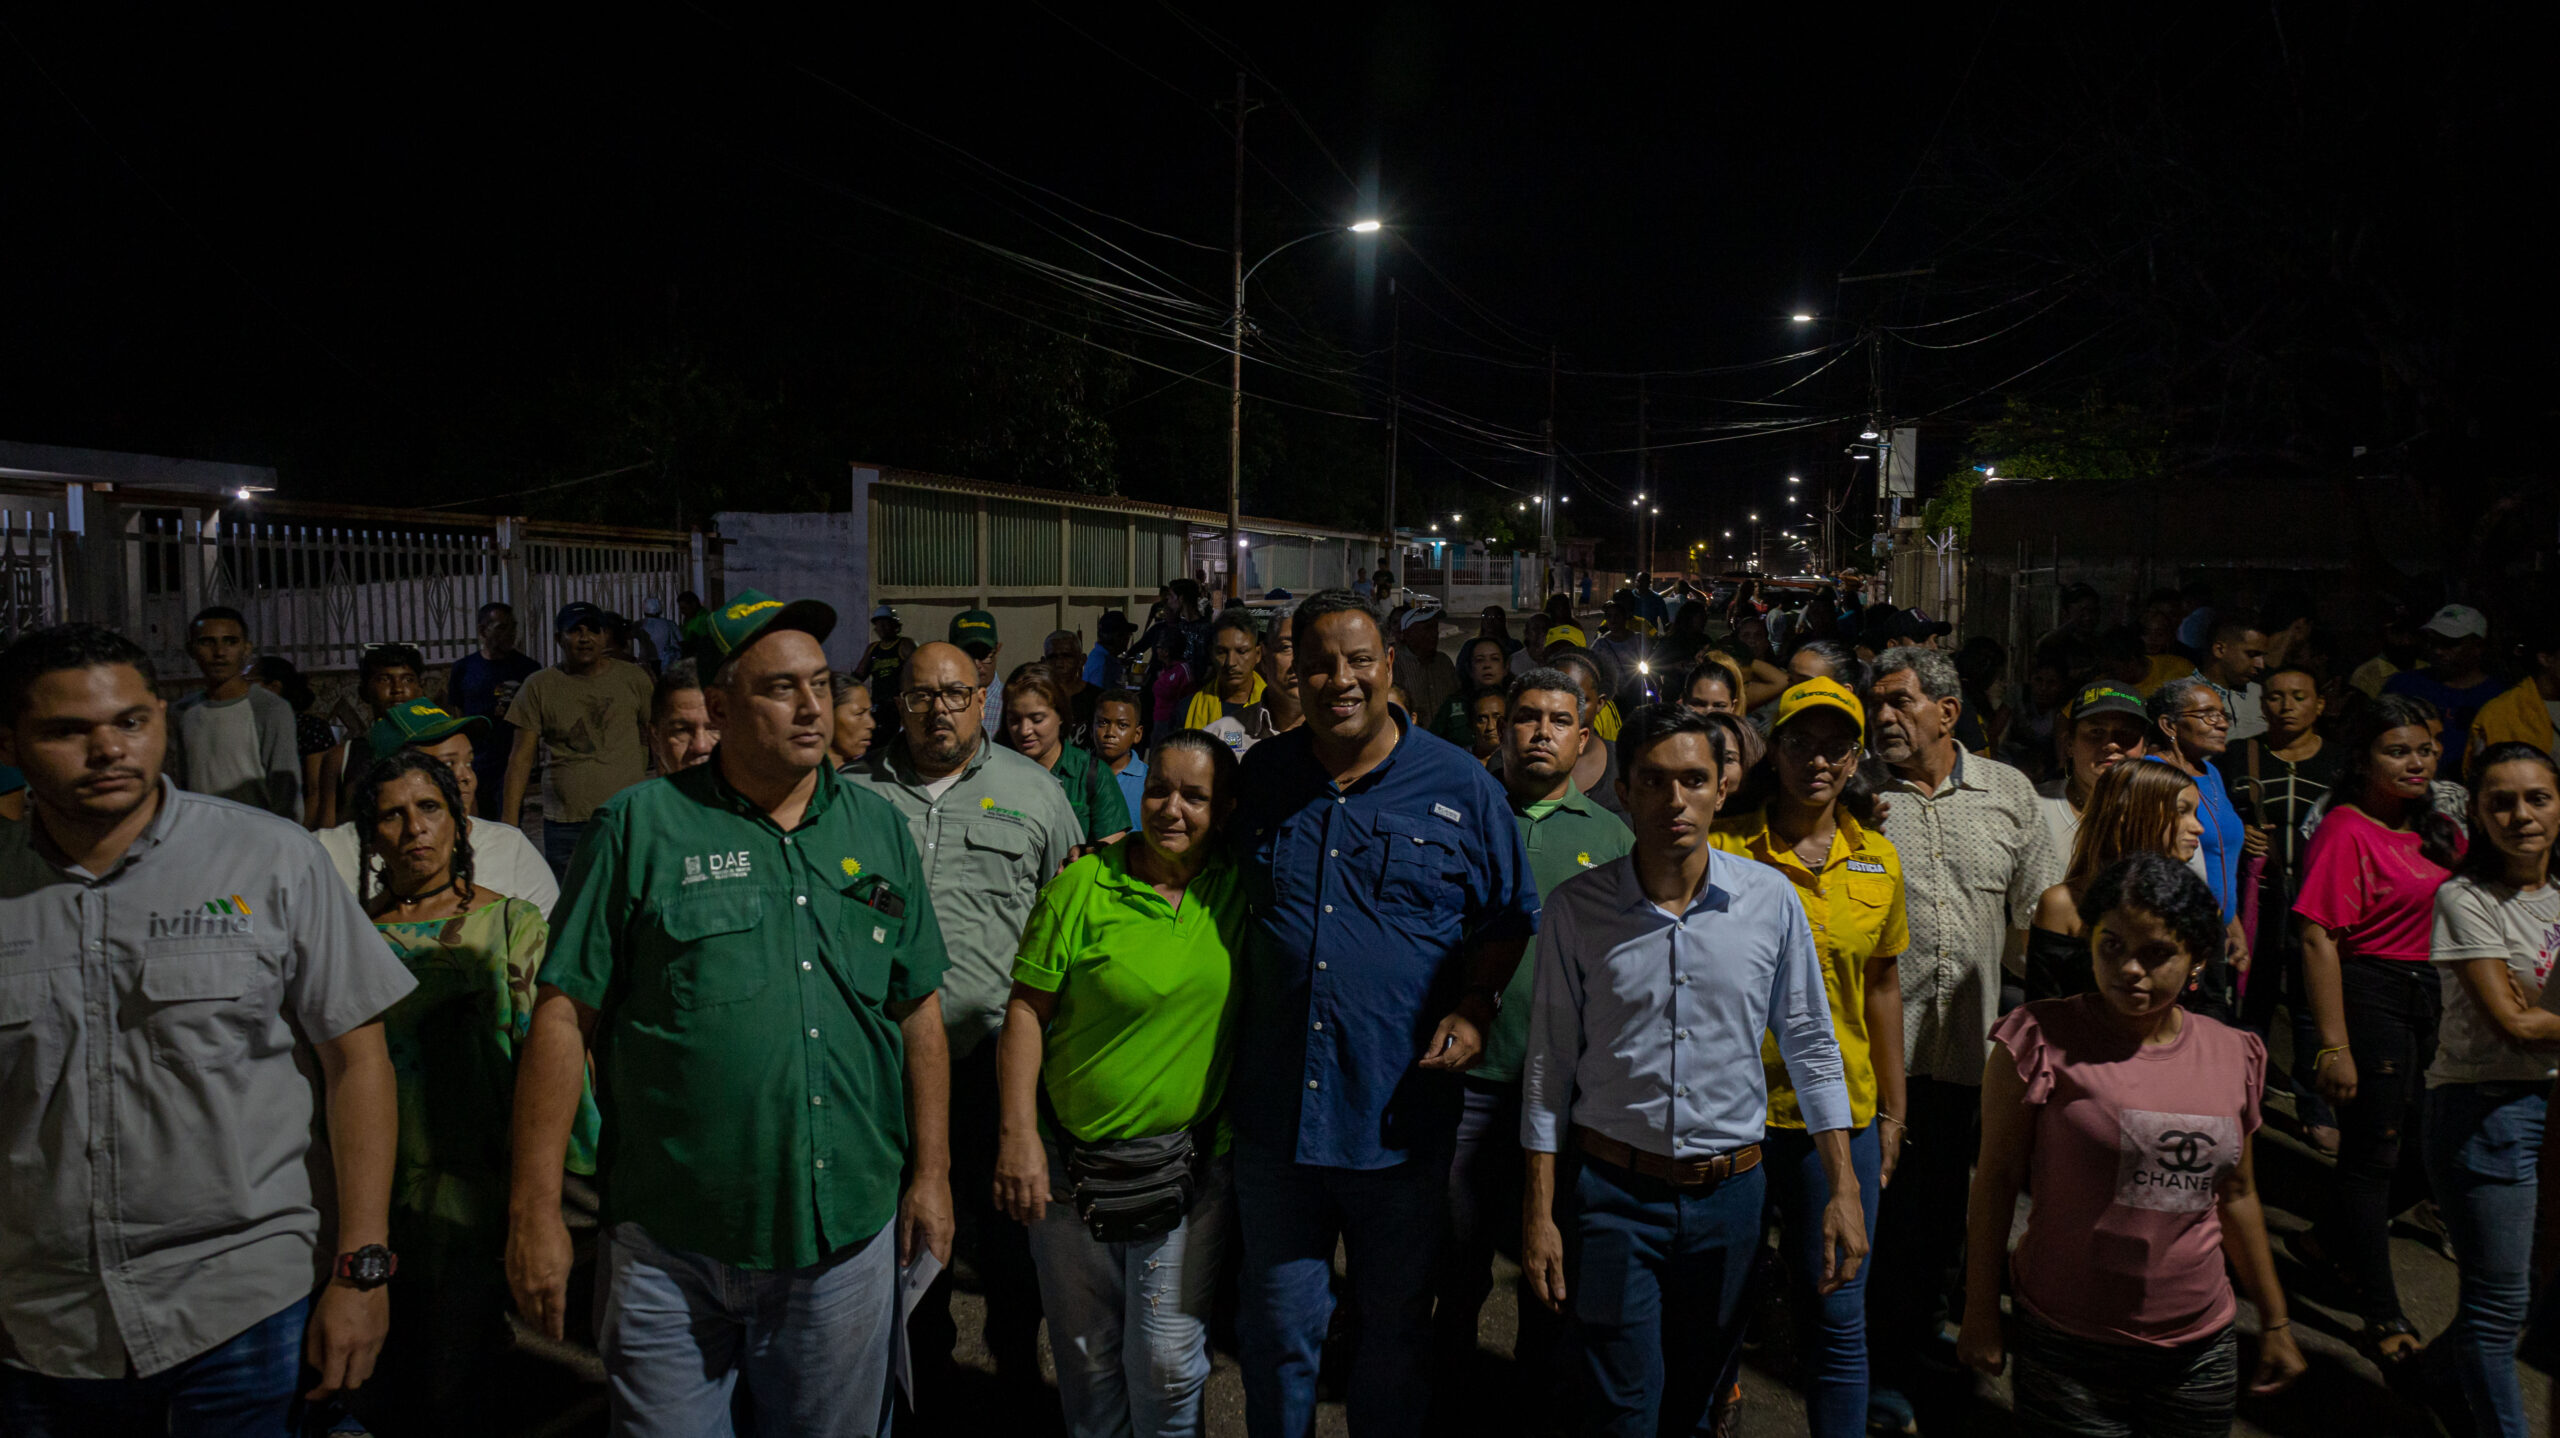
(483, 682)
(1392, 899)
(2456, 678)
(1657, 975)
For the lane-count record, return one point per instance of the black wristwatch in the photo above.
(368, 1268)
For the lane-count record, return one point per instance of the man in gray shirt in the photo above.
(174, 971)
(234, 739)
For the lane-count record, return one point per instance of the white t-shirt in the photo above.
(2483, 919)
(502, 859)
(221, 736)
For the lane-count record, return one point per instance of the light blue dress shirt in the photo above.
(1646, 1028)
(1133, 784)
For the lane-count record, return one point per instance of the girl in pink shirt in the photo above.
(2128, 1120)
(2368, 903)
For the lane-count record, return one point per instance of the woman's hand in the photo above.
(2279, 1362)
(2254, 842)
(1022, 1177)
(1978, 1342)
(1889, 1137)
(2334, 1073)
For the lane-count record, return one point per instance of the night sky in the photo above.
(431, 264)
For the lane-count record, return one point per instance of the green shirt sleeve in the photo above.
(918, 967)
(595, 905)
(1048, 940)
(1106, 808)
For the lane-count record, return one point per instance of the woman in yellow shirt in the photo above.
(1803, 811)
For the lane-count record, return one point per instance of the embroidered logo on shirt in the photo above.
(218, 917)
(735, 865)
(1584, 859)
(1445, 812)
(879, 935)
(1865, 866)
(2168, 1162)
(693, 868)
(851, 867)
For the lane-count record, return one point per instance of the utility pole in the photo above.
(1547, 520)
(1395, 414)
(1645, 538)
(1235, 382)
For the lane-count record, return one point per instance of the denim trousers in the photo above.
(1388, 1222)
(2066, 1386)
(2483, 1143)
(560, 845)
(1831, 1329)
(1920, 1229)
(247, 1387)
(1654, 1275)
(1129, 1322)
(1485, 1176)
(677, 1330)
(2392, 1006)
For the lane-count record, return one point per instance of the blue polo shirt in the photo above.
(1364, 899)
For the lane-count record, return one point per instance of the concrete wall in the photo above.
(807, 556)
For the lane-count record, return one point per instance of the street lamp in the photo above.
(1791, 479)
(1235, 369)
(1801, 319)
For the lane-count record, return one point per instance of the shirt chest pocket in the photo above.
(203, 1006)
(1422, 871)
(999, 852)
(32, 1031)
(715, 956)
(1858, 917)
(871, 927)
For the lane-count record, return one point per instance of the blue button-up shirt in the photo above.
(1646, 1028)
(1363, 899)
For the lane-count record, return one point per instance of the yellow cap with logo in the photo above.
(1819, 694)
(750, 615)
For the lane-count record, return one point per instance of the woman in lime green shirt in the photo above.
(1116, 1044)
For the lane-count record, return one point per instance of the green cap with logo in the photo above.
(2102, 699)
(751, 614)
(420, 721)
(974, 626)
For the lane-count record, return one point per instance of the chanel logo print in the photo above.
(2169, 1162)
(2179, 1148)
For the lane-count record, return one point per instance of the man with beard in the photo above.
(993, 827)
(186, 994)
(1977, 853)
(1392, 901)
(746, 956)
(1544, 731)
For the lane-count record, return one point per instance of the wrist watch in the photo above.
(368, 1268)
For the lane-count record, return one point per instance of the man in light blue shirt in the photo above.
(1657, 975)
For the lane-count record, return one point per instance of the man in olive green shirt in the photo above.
(1544, 732)
(992, 827)
(748, 951)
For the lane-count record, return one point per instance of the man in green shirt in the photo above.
(1544, 732)
(992, 827)
(747, 951)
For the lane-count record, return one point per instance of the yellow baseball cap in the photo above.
(1567, 634)
(1819, 694)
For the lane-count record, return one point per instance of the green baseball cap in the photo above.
(420, 721)
(751, 614)
(974, 626)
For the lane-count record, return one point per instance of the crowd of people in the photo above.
(1255, 976)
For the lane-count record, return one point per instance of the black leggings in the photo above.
(2392, 1007)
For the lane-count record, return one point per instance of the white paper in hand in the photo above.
(913, 1280)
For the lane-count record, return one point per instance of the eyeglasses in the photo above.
(2215, 717)
(950, 701)
(1805, 746)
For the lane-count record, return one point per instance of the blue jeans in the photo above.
(1388, 1220)
(248, 1387)
(1831, 1329)
(560, 845)
(1655, 1274)
(2482, 1142)
(1129, 1322)
(677, 1329)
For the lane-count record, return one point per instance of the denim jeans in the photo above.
(1129, 1322)
(676, 1331)
(2071, 1387)
(1831, 1329)
(2482, 1145)
(1388, 1221)
(2392, 1008)
(1654, 1274)
(560, 845)
(248, 1387)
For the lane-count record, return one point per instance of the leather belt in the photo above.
(1678, 1172)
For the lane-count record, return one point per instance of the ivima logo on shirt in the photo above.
(2169, 1162)
(229, 915)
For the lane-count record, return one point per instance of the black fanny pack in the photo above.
(1130, 1189)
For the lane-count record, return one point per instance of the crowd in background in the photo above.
(1143, 975)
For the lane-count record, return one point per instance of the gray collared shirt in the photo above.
(1976, 855)
(158, 1100)
(989, 842)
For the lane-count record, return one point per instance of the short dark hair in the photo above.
(495, 606)
(1238, 618)
(1651, 724)
(1325, 602)
(688, 595)
(1547, 677)
(2163, 888)
(2231, 624)
(378, 657)
(682, 675)
(277, 670)
(1118, 696)
(58, 647)
(217, 611)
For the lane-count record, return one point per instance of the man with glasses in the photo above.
(2193, 730)
(992, 827)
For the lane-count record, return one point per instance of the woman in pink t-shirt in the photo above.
(2368, 904)
(2128, 1119)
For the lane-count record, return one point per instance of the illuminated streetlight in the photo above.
(1791, 479)
(1802, 319)
(1366, 227)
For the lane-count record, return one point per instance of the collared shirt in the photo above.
(1093, 792)
(1563, 838)
(1646, 1028)
(1976, 855)
(1133, 784)
(989, 841)
(752, 1081)
(155, 1111)
(1364, 898)
(1854, 902)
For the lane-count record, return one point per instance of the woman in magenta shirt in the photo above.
(2128, 1118)
(2367, 907)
